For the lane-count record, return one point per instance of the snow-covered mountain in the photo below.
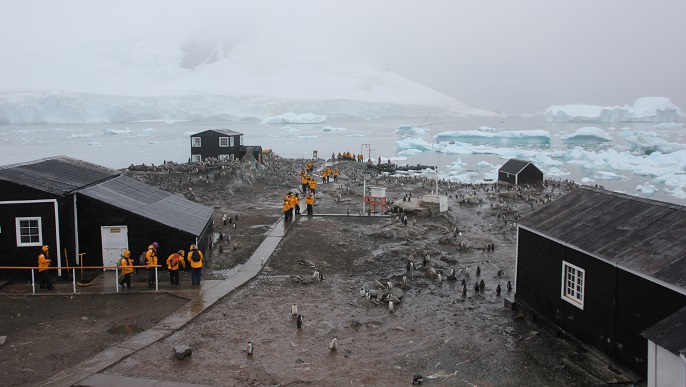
(142, 82)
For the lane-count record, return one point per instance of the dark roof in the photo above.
(669, 333)
(145, 200)
(56, 175)
(645, 236)
(514, 166)
(220, 131)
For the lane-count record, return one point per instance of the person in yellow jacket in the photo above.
(313, 185)
(328, 174)
(173, 262)
(304, 180)
(195, 258)
(335, 175)
(287, 208)
(309, 200)
(126, 264)
(323, 174)
(151, 262)
(43, 268)
(296, 204)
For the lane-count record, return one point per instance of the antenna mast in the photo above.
(432, 146)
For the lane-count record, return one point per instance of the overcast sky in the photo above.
(504, 55)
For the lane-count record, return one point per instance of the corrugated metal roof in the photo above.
(639, 234)
(145, 200)
(220, 131)
(669, 333)
(56, 175)
(514, 166)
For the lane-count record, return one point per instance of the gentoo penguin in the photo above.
(315, 275)
(464, 290)
(478, 271)
(262, 261)
(509, 286)
(234, 225)
(451, 274)
(321, 276)
(390, 306)
(404, 280)
(294, 310)
(417, 379)
(299, 321)
(249, 349)
(476, 287)
(497, 290)
(367, 295)
(482, 285)
(333, 344)
(362, 292)
(464, 282)
(389, 284)
(439, 277)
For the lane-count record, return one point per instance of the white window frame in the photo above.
(225, 143)
(573, 284)
(225, 157)
(240, 140)
(232, 139)
(196, 158)
(196, 142)
(19, 229)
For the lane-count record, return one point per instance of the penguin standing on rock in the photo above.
(333, 344)
(476, 287)
(497, 290)
(464, 290)
(294, 310)
(509, 286)
(299, 321)
(478, 271)
(482, 285)
(249, 349)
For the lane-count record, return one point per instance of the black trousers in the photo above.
(174, 276)
(45, 280)
(309, 209)
(125, 280)
(151, 277)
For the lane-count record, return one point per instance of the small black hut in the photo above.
(77, 207)
(519, 172)
(602, 267)
(223, 144)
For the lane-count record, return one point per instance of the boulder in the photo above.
(182, 351)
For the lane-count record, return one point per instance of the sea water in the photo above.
(122, 144)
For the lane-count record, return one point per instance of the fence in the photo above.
(73, 270)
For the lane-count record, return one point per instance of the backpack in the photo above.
(195, 255)
(175, 260)
(142, 260)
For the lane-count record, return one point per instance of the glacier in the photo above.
(646, 109)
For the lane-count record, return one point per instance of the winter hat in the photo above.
(155, 245)
(45, 248)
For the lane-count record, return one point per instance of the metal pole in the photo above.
(73, 279)
(364, 191)
(116, 277)
(33, 281)
(157, 282)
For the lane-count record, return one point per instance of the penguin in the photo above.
(482, 284)
(439, 277)
(476, 287)
(451, 274)
(362, 292)
(249, 349)
(315, 275)
(389, 284)
(509, 286)
(464, 282)
(235, 246)
(221, 249)
(417, 379)
(390, 306)
(299, 321)
(262, 261)
(333, 344)
(367, 295)
(294, 310)
(478, 271)
(464, 290)
(236, 217)
(497, 290)
(404, 280)
(234, 225)
(321, 276)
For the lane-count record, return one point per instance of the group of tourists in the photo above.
(347, 156)
(308, 182)
(327, 173)
(174, 263)
(291, 205)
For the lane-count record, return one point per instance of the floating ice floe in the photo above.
(414, 143)
(668, 125)
(117, 131)
(646, 189)
(587, 135)
(409, 130)
(643, 142)
(293, 118)
(329, 128)
(505, 137)
(80, 135)
(308, 137)
(290, 129)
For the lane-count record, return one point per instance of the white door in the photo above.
(115, 240)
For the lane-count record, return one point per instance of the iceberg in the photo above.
(587, 135)
(293, 118)
(414, 143)
(643, 143)
(329, 128)
(646, 109)
(506, 137)
(409, 130)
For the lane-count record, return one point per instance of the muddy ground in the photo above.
(435, 331)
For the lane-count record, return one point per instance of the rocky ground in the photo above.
(434, 330)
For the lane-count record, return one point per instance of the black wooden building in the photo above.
(223, 144)
(519, 172)
(78, 207)
(602, 267)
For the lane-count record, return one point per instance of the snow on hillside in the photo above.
(143, 82)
